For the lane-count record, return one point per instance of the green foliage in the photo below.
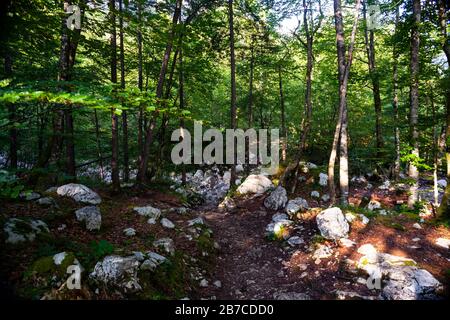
(10, 186)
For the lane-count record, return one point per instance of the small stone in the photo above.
(217, 284)
(323, 179)
(166, 223)
(129, 232)
(417, 226)
(346, 242)
(295, 241)
(416, 239)
(443, 242)
(315, 194)
(204, 283)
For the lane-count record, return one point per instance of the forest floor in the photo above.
(238, 260)
(251, 267)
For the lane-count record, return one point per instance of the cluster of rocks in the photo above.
(122, 272)
(154, 214)
(398, 278)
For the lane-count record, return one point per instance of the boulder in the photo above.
(153, 261)
(323, 179)
(20, 230)
(332, 224)
(118, 271)
(277, 199)
(166, 223)
(255, 184)
(79, 193)
(296, 205)
(443, 242)
(279, 217)
(315, 194)
(91, 216)
(148, 211)
(166, 244)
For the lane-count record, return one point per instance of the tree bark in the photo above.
(283, 116)
(126, 166)
(233, 110)
(373, 72)
(395, 101)
(144, 156)
(413, 171)
(343, 75)
(444, 208)
(114, 119)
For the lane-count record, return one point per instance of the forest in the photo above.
(225, 150)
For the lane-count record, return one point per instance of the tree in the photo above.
(340, 134)
(413, 171)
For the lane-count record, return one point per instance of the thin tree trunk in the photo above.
(144, 156)
(444, 208)
(343, 73)
(140, 80)
(250, 90)
(233, 121)
(13, 142)
(395, 101)
(126, 166)
(283, 116)
(114, 118)
(99, 147)
(370, 49)
(413, 171)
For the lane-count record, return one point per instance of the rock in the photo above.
(350, 217)
(279, 229)
(129, 232)
(290, 296)
(277, 199)
(166, 223)
(255, 184)
(139, 256)
(364, 219)
(322, 252)
(51, 190)
(323, 179)
(217, 284)
(29, 196)
(153, 261)
(417, 226)
(62, 227)
(198, 221)
(443, 242)
(46, 201)
(332, 224)
(79, 193)
(374, 205)
(367, 250)
(148, 211)
(315, 194)
(59, 258)
(227, 204)
(239, 168)
(166, 244)
(325, 197)
(91, 216)
(410, 283)
(118, 271)
(296, 205)
(359, 180)
(295, 241)
(204, 283)
(19, 230)
(346, 242)
(383, 212)
(279, 217)
(385, 186)
(442, 183)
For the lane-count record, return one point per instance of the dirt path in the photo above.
(248, 266)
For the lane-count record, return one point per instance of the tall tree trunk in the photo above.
(233, 110)
(114, 118)
(395, 101)
(140, 80)
(13, 142)
(182, 106)
(144, 155)
(250, 90)
(370, 49)
(444, 208)
(99, 147)
(343, 74)
(126, 166)
(64, 75)
(283, 116)
(413, 171)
